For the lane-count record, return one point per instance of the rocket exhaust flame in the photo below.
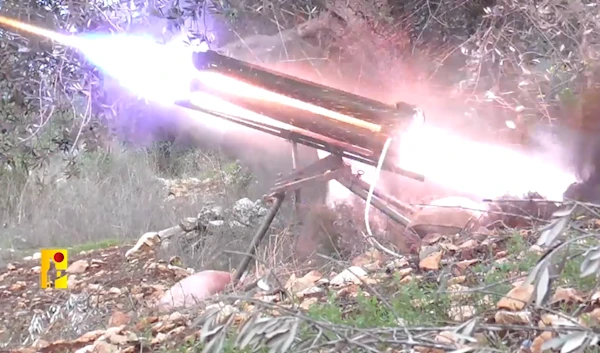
(326, 116)
(61, 38)
(266, 101)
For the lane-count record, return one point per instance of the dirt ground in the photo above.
(110, 283)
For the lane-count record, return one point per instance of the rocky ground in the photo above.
(461, 291)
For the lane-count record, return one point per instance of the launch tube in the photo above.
(339, 115)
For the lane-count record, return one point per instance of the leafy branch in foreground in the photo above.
(290, 330)
(277, 334)
(560, 235)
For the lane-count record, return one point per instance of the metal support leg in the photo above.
(375, 202)
(323, 170)
(354, 180)
(258, 237)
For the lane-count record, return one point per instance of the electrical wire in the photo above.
(384, 151)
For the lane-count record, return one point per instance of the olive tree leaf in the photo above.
(550, 232)
(591, 262)
(215, 345)
(277, 334)
(543, 286)
(572, 342)
(535, 272)
(211, 323)
(467, 328)
(214, 337)
(283, 339)
(246, 332)
(594, 253)
(206, 317)
(575, 341)
(465, 331)
(565, 212)
(554, 343)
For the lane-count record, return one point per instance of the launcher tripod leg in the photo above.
(320, 171)
(378, 200)
(258, 237)
(326, 169)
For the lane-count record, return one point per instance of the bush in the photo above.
(113, 195)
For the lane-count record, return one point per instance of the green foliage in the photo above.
(329, 311)
(414, 303)
(426, 303)
(48, 88)
(99, 245)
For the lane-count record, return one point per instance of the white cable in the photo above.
(386, 146)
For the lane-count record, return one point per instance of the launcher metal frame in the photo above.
(329, 168)
(310, 139)
(341, 140)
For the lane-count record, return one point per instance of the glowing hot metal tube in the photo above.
(323, 110)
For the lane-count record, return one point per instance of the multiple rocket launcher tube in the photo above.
(341, 118)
